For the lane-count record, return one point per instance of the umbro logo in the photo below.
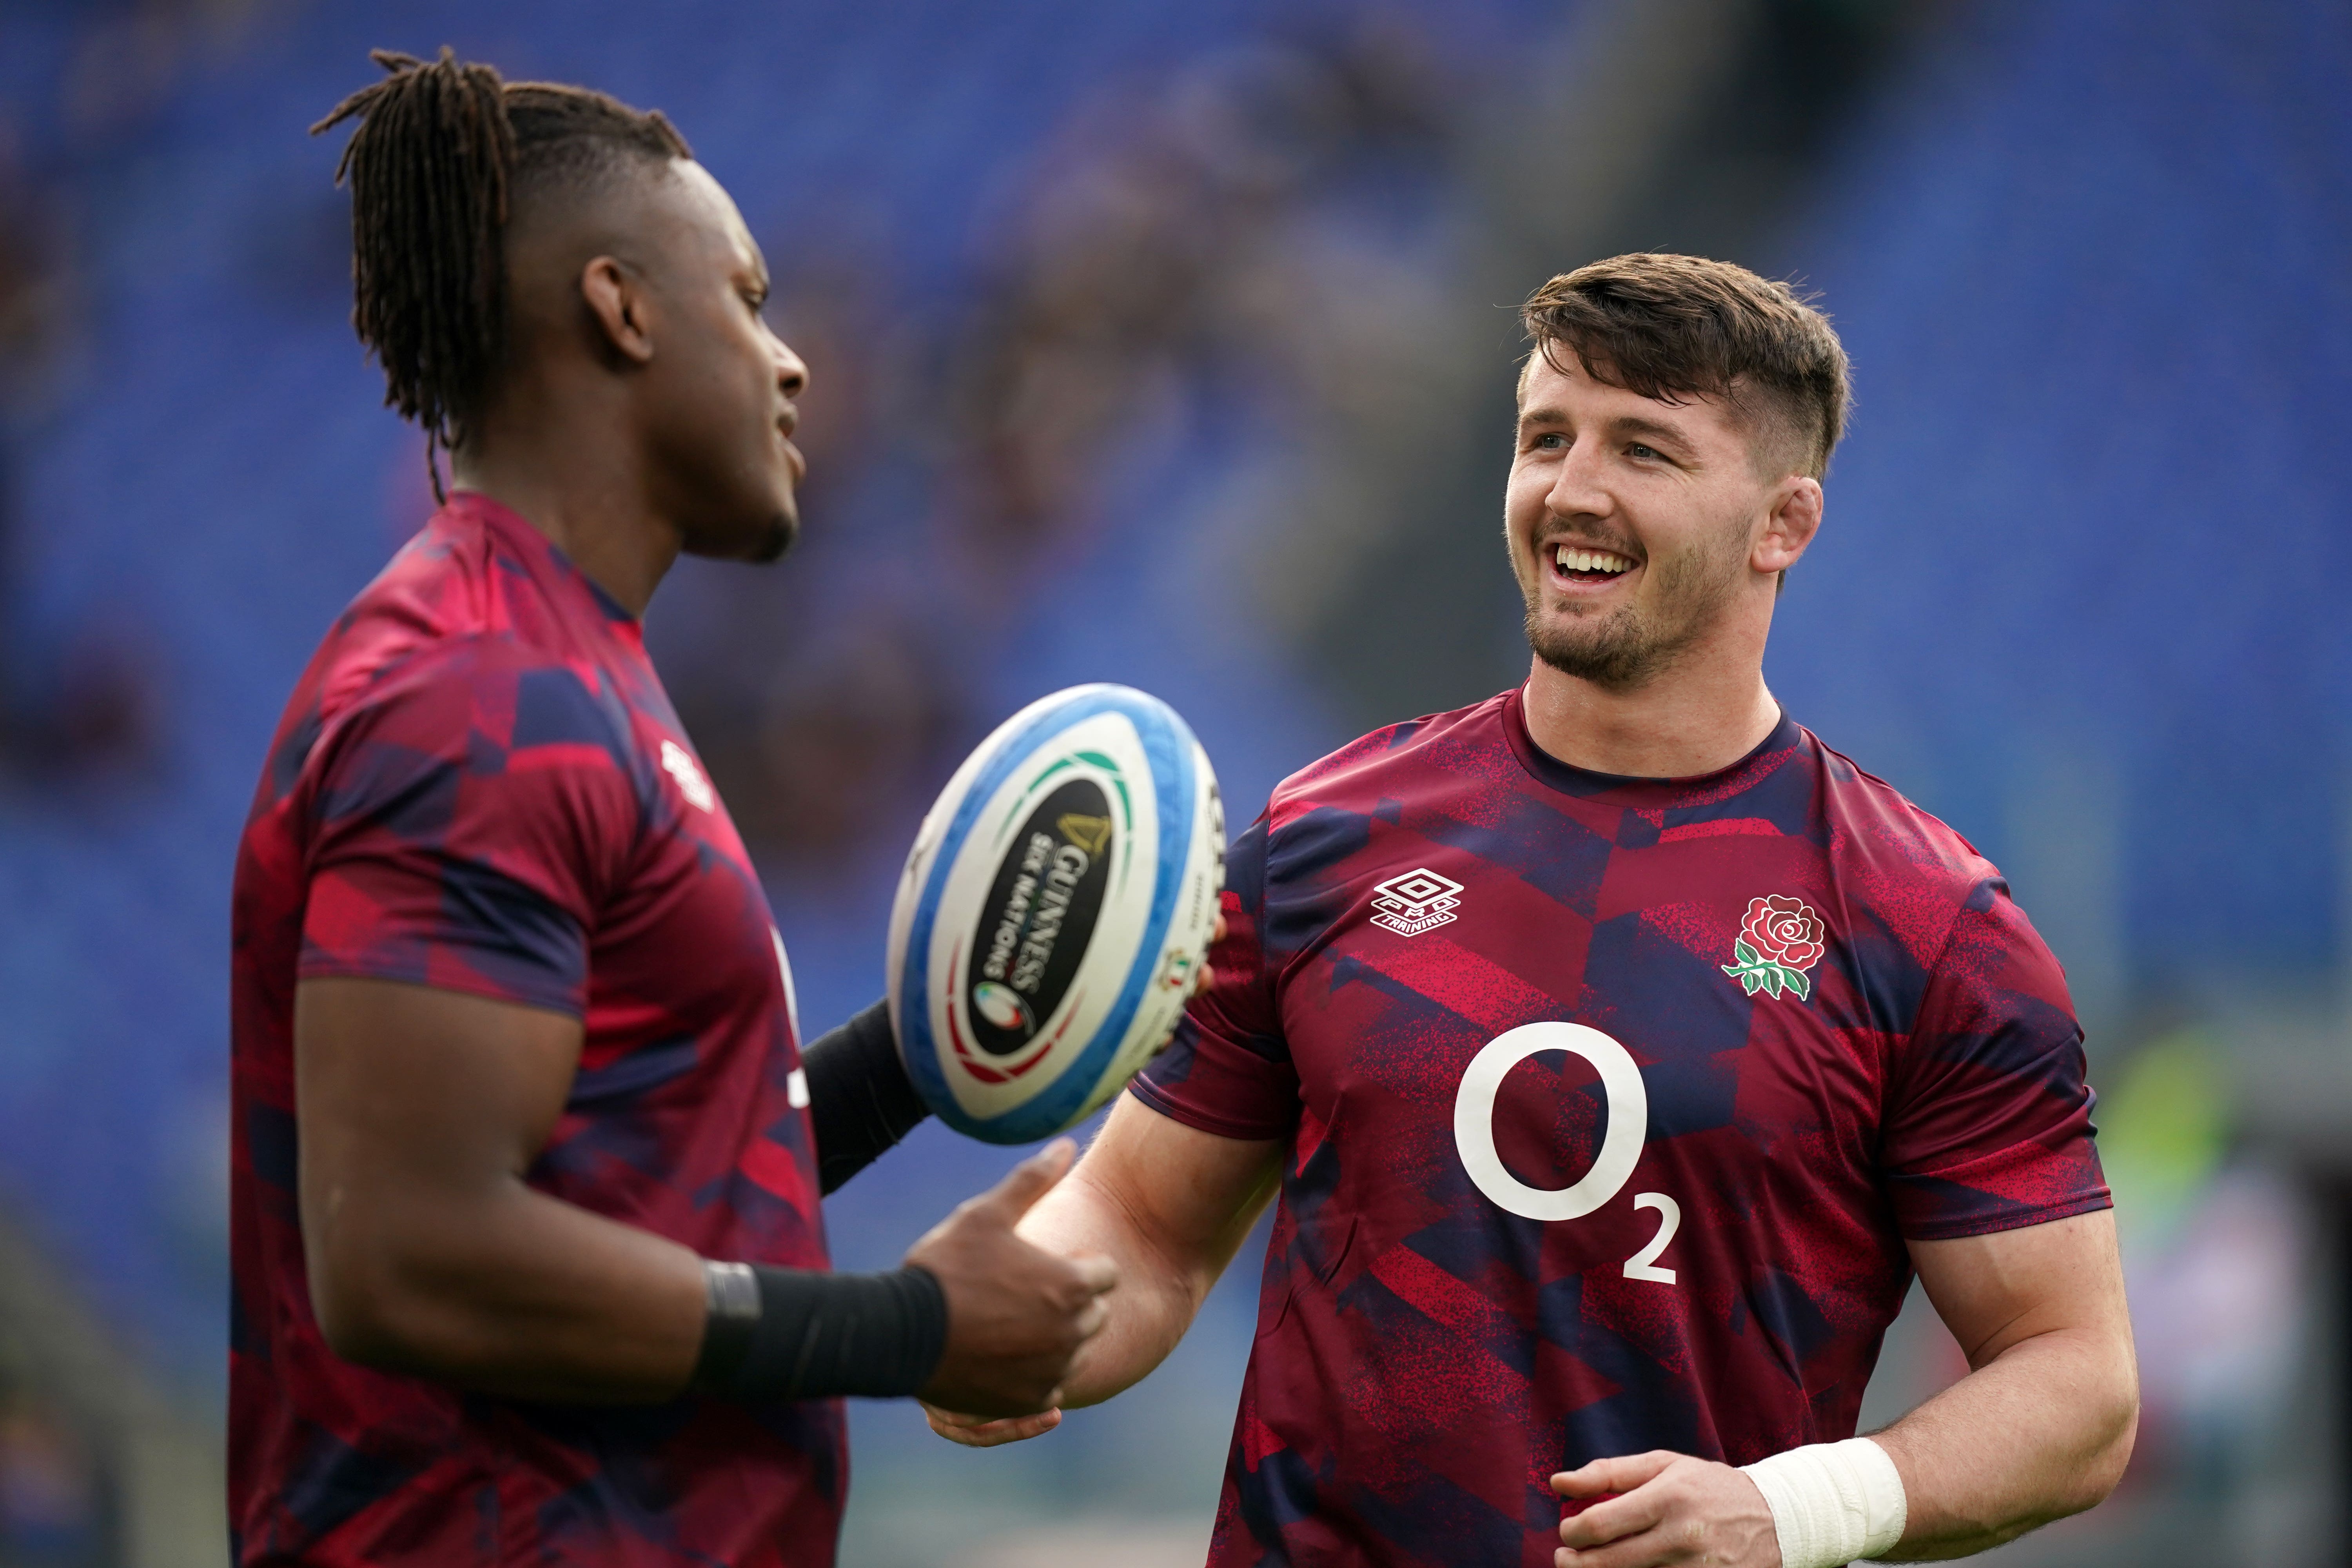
(1417, 901)
(679, 763)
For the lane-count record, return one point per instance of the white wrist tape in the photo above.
(1832, 1503)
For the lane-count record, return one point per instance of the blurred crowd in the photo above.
(1162, 267)
(85, 703)
(1096, 298)
(53, 1510)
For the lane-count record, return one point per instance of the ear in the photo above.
(618, 301)
(1789, 527)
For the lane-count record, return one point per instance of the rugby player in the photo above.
(529, 1260)
(1619, 1052)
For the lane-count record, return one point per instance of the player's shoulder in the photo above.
(429, 606)
(442, 615)
(1391, 761)
(471, 732)
(1888, 850)
(415, 671)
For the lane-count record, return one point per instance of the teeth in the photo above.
(1574, 560)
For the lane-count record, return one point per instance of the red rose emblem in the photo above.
(1784, 931)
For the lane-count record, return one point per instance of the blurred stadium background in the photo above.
(1166, 341)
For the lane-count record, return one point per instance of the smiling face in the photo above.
(720, 388)
(1642, 529)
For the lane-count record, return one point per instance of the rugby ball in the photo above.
(1055, 913)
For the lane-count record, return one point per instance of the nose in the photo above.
(1576, 486)
(792, 375)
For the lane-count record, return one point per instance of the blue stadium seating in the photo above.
(2089, 260)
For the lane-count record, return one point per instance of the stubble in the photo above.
(1630, 646)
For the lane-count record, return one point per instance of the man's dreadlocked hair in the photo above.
(441, 153)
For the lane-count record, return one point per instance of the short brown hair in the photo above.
(1672, 327)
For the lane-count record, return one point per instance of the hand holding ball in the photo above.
(1055, 913)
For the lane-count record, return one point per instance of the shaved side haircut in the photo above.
(1677, 327)
(445, 152)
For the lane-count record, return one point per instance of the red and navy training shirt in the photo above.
(480, 785)
(1783, 1021)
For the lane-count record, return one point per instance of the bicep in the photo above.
(419, 1112)
(407, 1093)
(1996, 1290)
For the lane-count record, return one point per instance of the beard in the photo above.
(1629, 646)
(783, 531)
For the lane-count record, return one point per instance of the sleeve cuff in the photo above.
(2006, 1218)
(1208, 1121)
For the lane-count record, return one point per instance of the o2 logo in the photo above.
(1627, 1106)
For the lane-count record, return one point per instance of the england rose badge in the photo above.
(1780, 940)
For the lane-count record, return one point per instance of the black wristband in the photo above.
(796, 1334)
(730, 1312)
(861, 1101)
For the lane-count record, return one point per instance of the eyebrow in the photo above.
(1656, 430)
(1624, 424)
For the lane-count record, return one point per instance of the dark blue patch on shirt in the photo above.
(1295, 859)
(1671, 1003)
(555, 708)
(1789, 1317)
(1786, 797)
(286, 762)
(2029, 1046)
(269, 1143)
(646, 1067)
(409, 793)
(1548, 850)
(333, 1480)
(514, 935)
(1280, 1491)
(1651, 1408)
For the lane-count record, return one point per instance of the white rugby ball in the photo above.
(1055, 913)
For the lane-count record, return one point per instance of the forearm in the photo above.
(428, 1253)
(511, 1293)
(2042, 1431)
(1170, 1205)
(576, 1309)
(1167, 1207)
(1158, 1294)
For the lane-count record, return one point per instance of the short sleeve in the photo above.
(1228, 1071)
(1989, 1122)
(467, 821)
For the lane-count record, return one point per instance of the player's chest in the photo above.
(688, 925)
(1554, 1028)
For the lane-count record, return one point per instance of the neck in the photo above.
(574, 474)
(1705, 713)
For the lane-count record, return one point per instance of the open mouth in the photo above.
(1588, 567)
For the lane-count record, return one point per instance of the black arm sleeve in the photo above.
(798, 1333)
(860, 1100)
